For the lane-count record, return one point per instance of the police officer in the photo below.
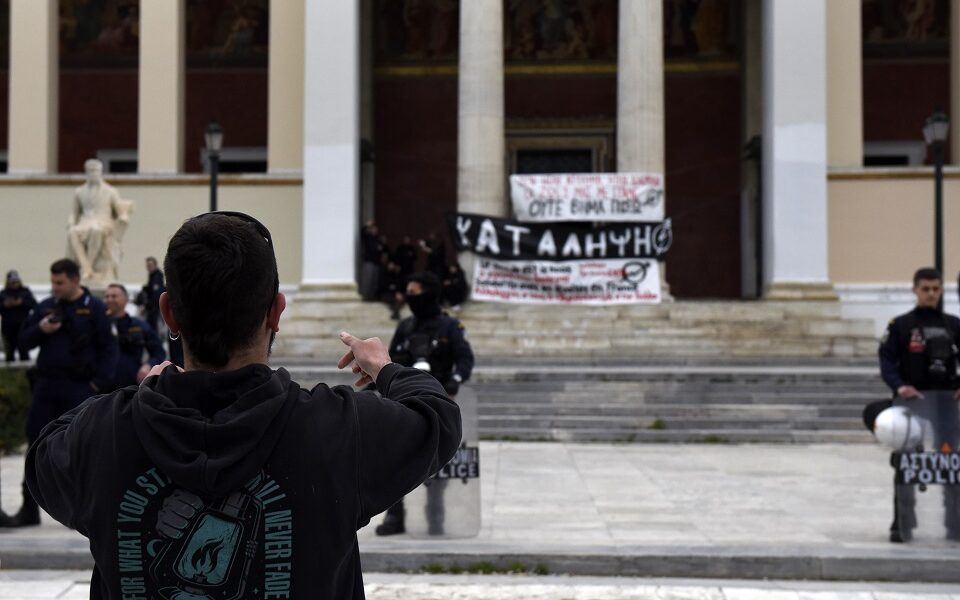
(918, 352)
(134, 337)
(430, 340)
(149, 297)
(16, 302)
(78, 356)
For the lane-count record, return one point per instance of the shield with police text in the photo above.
(925, 434)
(448, 504)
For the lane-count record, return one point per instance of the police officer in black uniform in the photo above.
(430, 340)
(918, 352)
(16, 302)
(78, 356)
(149, 297)
(134, 337)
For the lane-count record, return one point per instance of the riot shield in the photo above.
(927, 467)
(448, 504)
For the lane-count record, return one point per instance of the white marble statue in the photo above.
(96, 226)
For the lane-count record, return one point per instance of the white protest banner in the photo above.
(615, 281)
(588, 197)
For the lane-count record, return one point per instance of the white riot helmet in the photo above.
(898, 428)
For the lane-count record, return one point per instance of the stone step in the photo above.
(489, 422)
(708, 436)
(813, 402)
(680, 329)
(753, 411)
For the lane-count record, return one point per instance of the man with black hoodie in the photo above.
(226, 479)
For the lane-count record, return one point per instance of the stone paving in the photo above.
(74, 585)
(569, 504)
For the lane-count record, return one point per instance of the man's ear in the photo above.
(167, 313)
(276, 309)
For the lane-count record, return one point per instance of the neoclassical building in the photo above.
(789, 131)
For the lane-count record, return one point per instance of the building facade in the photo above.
(789, 132)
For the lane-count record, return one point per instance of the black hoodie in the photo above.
(239, 484)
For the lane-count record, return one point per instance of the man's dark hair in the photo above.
(67, 267)
(221, 280)
(428, 281)
(926, 273)
(150, 258)
(120, 287)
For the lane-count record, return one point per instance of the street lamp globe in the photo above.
(936, 128)
(214, 138)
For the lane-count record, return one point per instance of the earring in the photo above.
(172, 337)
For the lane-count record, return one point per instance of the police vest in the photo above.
(930, 358)
(424, 340)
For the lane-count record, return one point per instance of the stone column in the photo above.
(331, 144)
(640, 131)
(285, 87)
(33, 115)
(954, 110)
(844, 84)
(481, 170)
(795, 150)
(160, 119)
(640, 87)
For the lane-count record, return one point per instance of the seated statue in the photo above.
(96, 227)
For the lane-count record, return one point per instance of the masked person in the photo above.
(16, 302)
(140, 347)
(227, 479)
(432, 341)
(78, 357)
(918, 352)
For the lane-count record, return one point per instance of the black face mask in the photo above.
(423, 306)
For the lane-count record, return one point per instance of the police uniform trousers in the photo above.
(53, 396)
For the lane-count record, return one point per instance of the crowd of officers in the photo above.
(87, 346)
(385, 271)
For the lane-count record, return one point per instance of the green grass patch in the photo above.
(14, 404)
(658, 425)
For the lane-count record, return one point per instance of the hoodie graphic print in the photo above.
(239, 546)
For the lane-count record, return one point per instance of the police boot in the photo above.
(29, 513)
(392, 521)
(6, 520)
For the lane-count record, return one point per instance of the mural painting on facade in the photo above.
(700, 29)
(99, 33)
(553, 31)
(417, 30)
(4, 34)
(228, 33)
(560, 30)
(906, 28)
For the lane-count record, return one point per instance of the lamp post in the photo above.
(214, 140)
(935, 134)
